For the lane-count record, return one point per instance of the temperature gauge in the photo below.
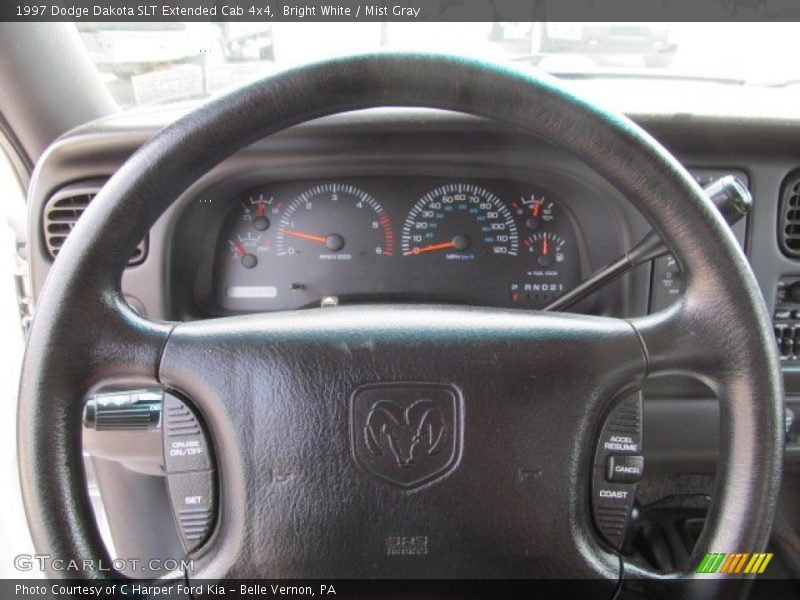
(255, 209)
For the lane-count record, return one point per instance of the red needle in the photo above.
(306, 236)
(432, 247)
(260, 210)
(545, 247)
(537, 208)
(239, 248)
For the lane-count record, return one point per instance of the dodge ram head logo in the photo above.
(405, 434)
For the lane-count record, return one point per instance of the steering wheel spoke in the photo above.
(126, 347)
(681, 339)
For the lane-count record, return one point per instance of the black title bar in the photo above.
(399, 10)
(351, 589)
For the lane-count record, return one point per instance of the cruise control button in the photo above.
(192, 496)
(185, 445)
(611, 506)
(621, 443)
(622, 431)
(613, 496)
(618, 465)
(624, 469)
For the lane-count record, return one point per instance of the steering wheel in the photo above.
(527, 390)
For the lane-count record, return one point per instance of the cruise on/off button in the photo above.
(185, 444)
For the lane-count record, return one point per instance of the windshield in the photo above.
(158, 63)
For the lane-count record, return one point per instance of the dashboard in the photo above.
(298, 244)
(412, 205)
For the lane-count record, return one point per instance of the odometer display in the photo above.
(460, 221)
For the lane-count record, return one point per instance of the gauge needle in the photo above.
(545, 246)
(306, 236)
(432, 247)
(239, 248)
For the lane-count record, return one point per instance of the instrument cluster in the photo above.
(301, 244)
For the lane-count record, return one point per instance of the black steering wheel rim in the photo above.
(84, 335)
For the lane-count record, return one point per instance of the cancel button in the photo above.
(624, 468)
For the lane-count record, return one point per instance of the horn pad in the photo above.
(406, 435)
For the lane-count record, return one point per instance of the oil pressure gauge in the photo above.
(534, 211)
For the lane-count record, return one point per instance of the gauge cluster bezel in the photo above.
(430, 146)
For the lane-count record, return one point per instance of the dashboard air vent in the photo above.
(789, 224)
(62, 212)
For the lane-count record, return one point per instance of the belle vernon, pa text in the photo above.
(171, 589)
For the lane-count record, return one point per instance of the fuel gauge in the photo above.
(548, 248)
(547, 272)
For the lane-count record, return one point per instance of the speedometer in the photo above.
(460, 221)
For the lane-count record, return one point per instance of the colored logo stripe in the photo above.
(734, 563)
(711, 562)
(758, 563)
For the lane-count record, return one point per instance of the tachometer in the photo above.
(460, 221)
(334, 221)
